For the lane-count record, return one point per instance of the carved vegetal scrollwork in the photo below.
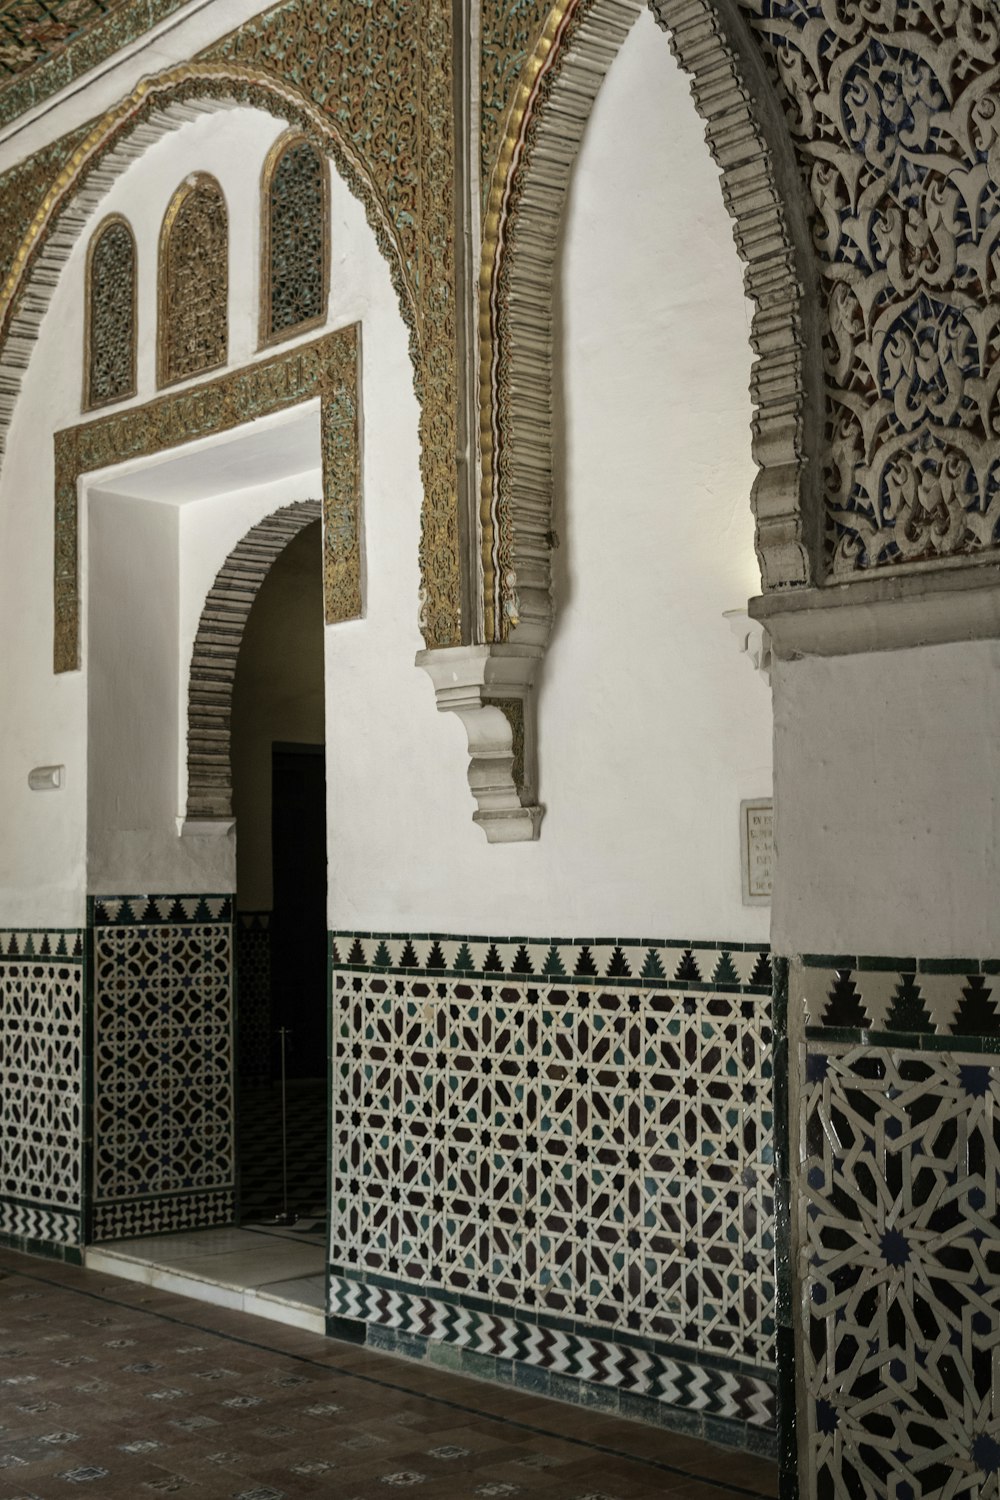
(895, 113)
(295, 239)
(109, 372)
(193, 310)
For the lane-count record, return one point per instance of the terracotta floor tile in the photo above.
(171, 1396)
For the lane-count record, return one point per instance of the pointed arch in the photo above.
(216, 650)
(295, 239)
(540, 139)
(109, 340)
(192, 324)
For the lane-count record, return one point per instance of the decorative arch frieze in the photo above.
(392, 142)
(216, 650)
(533, 120)
(109, 340)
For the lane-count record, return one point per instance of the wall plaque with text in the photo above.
(757, 849)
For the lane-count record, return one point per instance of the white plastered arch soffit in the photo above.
(748, 137)
(214, 658)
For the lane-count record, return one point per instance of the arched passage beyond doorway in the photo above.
(278, 793)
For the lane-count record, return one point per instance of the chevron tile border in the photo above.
(681, 963)
(24, 1225)
(158, 911)
(925, 1003)
(736, 1396)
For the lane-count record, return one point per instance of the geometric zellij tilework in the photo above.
(551, 1164)
(163, 1122)
(41, 1107)
(898, 1227)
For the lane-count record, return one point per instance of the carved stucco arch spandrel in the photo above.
(156, 107)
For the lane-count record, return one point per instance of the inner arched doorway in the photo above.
(278, 787)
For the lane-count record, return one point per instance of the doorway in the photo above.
(279, 799)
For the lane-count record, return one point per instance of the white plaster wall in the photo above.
(888, 820)
(652, 727)
(131, 647)
(44, 873)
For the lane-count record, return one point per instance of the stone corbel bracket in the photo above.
(492, 690)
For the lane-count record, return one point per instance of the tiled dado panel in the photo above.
(163, 1122)
(42, 1060)
(253, 996)
(898, 1226)
(560, 1154)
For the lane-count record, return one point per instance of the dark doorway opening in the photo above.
(298, 939)
(279, 799)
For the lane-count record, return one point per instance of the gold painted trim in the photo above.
(87, 402)
(227, 80)
(193, 183)
(544, 52)
(328, 367)
(266, 338)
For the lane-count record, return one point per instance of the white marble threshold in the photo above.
(245, 1269)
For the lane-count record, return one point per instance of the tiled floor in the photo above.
(121, 1389)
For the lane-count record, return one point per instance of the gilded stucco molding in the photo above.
(40, 67)
(547, 112)
(326, 368)
(215, 655)
(351, 80)
(527, 185)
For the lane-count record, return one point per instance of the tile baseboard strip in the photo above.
(685, 1396)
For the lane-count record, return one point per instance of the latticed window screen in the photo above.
(295, 246)
(110, 357)
(194, 282)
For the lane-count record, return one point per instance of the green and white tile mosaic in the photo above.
(582, 1154)
(42, 996)
(164, 1108)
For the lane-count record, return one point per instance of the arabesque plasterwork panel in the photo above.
(373, 87)
(893, 110)
(48, 44)
(327, 368)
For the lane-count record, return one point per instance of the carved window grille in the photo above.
(295, 241)
(109, 369)
(194, 282)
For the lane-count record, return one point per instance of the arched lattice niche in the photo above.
(215, 653)
(109, 340)
(295, 239)
(193, 300)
